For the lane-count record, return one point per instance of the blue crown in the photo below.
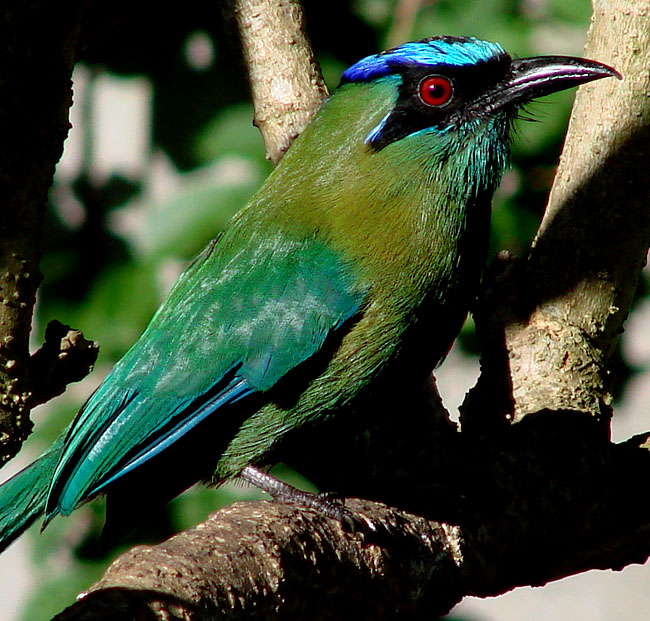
(437, 51)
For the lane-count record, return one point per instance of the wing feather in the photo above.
(236, 322)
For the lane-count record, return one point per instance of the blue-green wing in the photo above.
(236, 322)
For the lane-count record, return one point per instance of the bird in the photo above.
(352, 268)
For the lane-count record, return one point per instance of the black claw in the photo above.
(333, 497)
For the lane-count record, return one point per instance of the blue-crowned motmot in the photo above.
(353, 265)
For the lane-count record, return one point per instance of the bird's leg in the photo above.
(326, 504)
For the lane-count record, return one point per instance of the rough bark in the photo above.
(65, 357)
(550, 323)
(285, 79)
(37, 49)
(549, 498)
(251, 560)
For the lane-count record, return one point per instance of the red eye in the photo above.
(435, 90)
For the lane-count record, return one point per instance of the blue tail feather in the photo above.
(237, 389)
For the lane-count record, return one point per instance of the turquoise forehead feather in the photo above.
(437, 51)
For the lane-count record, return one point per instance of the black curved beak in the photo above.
(529, 78)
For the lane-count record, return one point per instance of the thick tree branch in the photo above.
(37, 49)
(550, 324)
(549, 498)
(285, 563)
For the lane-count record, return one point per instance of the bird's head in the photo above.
(414, 134)
(445, 83)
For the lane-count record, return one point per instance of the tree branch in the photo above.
(260, 556)
(285, 78)
(549, 324)
(549, 498)
(65, 357)
(38, 47)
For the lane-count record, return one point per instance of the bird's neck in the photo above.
(406, 214)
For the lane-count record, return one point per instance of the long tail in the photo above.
(23, 496)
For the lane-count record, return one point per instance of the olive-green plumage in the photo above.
(353, 266)
(410, 234)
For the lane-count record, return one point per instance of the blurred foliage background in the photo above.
(163, 152)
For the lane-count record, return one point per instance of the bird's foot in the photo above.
(326, 503)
